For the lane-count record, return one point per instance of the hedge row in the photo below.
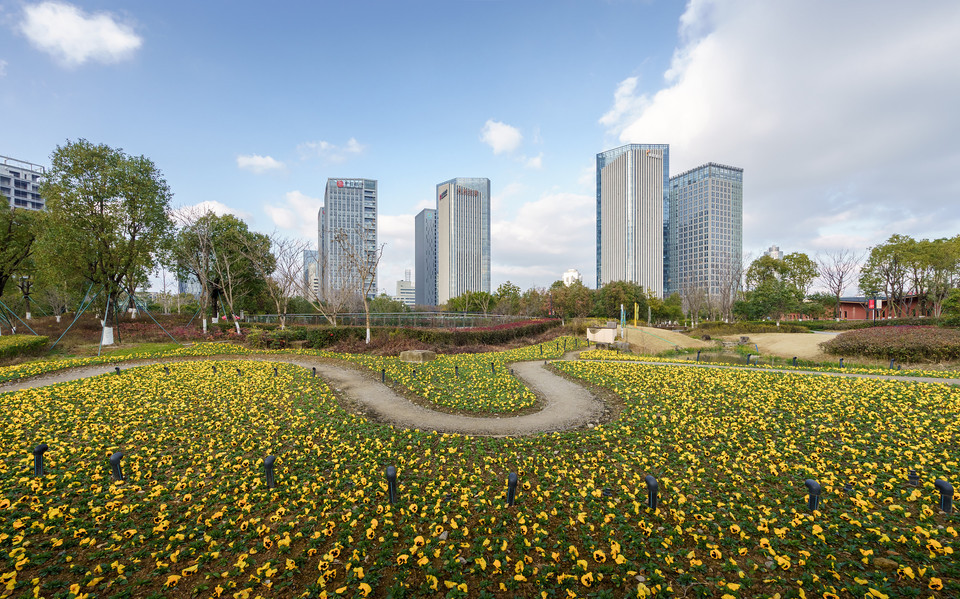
(850, 325)
(320, 337)
(12, 346)
(910, 344)
(737, 328)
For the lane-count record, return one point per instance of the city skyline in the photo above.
(847, 141)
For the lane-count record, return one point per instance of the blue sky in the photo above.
(843, 117)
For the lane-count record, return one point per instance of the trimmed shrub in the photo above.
(851, 325)
(738, 328)
(908, 344)
(12, 346)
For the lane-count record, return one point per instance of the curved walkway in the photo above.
(567, 405)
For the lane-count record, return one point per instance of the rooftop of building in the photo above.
(708, 165)
(21, 164)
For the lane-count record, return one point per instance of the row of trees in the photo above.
(906, 271)
(109, 224)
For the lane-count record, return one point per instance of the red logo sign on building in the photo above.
(339, 183)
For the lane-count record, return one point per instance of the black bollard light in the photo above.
(274, 371)
(794, 361)
(215, 369)
(841, 362)
(892, 360)
(946, 494)
(748, 358)
(813, 502)
(38, 459)
(653, 488)
(117, 369)
(456, 371)
(511, 488)
(698, 355)
(269, 463)
(493, 369)
(166, 370)
(238, 372)
(898, 366)
(848, 488)
(564, 344)
(314, 372)
(392, 483)
(115, 468)
(541, 349)
(913, 478)
(383, 375)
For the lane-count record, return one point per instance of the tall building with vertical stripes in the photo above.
(633, 233)
(463, 237)
(425, 257)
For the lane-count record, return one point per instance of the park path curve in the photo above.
(567, 405)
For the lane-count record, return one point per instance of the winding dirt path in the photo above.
(567, 405)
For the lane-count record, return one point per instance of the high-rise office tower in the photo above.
(633, 216)
(425, 257)
(20, 183)
(463, 237)
(347, 224)
(706, 209)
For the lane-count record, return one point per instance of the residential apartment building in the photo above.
(347, 224)
(463, 237)
(20, 183)
(633, 234)
(406, 292)
(706, 213)
(425, 257)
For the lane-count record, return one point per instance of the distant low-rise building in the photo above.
(571, 276)
(20, 183)
(406, 292)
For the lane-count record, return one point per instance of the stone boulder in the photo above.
(417, 356)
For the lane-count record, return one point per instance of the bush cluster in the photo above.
(902, 343)
(12, 346)
(850, 325)
(321, 337)
(743, 327)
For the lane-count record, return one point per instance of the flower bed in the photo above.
(730, 450)
(12, 346)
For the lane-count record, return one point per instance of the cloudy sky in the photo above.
(843, 115)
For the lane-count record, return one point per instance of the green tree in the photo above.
(384, 304)
(886, 271)
(107, 218)
(18, 229)
(615, 293)
(507, 298)
(801, 272)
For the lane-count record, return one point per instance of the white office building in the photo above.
(633, 216)
(463, 237)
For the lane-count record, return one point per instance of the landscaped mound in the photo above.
(904, 344)
(730, 450)
(12, 346)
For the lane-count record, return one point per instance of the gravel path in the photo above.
(567, 405)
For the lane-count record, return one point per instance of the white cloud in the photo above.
(545, 237)
(258, 164)
(500, 136)
(845, 127)
(296, 214)
(330, 152)
(74, 37)
(535, 162)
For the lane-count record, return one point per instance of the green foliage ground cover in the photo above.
(12, 346)
(730, 450)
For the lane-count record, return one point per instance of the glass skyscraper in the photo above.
(350, 208)
(463, 237)
(633, 216)
(706, 210)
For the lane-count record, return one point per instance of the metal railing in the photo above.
(436, 320)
